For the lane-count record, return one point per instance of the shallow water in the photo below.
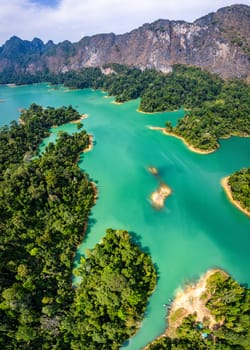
(198, 227)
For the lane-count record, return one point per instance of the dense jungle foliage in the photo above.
(229, 303)
(228, 114)
(20, 141)
(217, 108)
(240, 187)
(116, 281)
(44, 203)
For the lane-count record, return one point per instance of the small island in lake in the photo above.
(159, 196)
(153, 170)
(237, 188)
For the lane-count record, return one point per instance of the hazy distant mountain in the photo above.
(219, 42)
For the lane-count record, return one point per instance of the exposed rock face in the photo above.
(219, 42)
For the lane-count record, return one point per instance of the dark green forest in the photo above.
(45, 202)
(229, 303)
(117, 279)
(239, 182)
(227, 115)
(215, 108)
(20, 141)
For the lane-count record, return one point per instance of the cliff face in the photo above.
(219, 42)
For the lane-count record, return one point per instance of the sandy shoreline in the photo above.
(140, 111)
(95, 191)
(114, 102)
(159, 196)
(91, 144)
(227, 189)
(117, 103)
(190, 147)
(21, 121)
(88, 148)
(187, 301)
(83, 116)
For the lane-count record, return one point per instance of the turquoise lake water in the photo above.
(196, 230)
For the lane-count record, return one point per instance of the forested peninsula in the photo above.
(215, 108)
(45, 200)
(237, 188)
(211, 314)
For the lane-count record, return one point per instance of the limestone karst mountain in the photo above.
(218, 42)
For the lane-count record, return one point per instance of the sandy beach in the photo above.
(83, 116)
(187, 301)
(91, 144)
(159, 196)
(227, 189)
(94, 185)
(139, 111)
(117, 103)
(190, 147)
(87, 149)
(21, 121)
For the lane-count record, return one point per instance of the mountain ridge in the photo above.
(218, 42)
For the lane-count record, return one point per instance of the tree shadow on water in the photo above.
(125, 344)
(91, 222)
(78, 255)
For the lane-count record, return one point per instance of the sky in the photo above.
(61, 20)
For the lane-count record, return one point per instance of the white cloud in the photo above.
(73, 19)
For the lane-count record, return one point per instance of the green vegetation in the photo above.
(227, 115)
(187, 87)
(165, 343)
(229, 303)
(44, 203)
(240, 187)
(184, 87)
(217, 108)
(10, 76)
(237, 38)
(20, 141)
(116, 281)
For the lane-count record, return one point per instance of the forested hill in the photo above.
(218, 42)
(44, 204)
(215, 108)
